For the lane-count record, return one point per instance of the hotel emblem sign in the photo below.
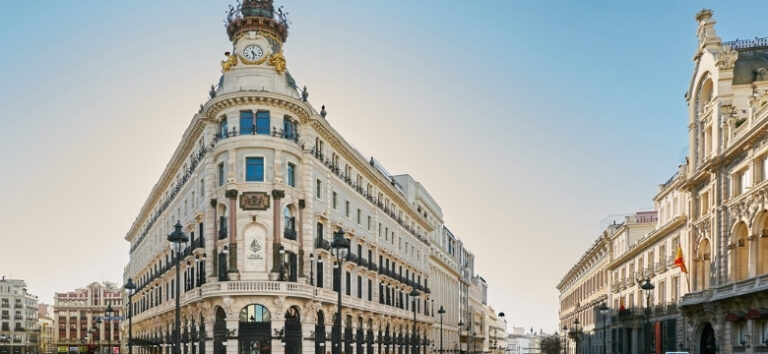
(254, 201)
(255, 254)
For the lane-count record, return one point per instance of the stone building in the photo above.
(81, 322)
(19, 333)
(46, 326)
(727, 182)
(262, 184)
(714, 209)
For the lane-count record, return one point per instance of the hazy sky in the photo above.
(528, 122)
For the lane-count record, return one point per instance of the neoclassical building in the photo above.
(261, 184)
(715, 209)
(727, 182)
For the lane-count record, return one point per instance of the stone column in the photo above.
(276, 261)
(209, 321)
(212, 262)
(278, 346)
(232, 271)
(300, 231)
(232, 325)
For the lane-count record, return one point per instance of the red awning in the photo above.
(756, 314)
(735, 316)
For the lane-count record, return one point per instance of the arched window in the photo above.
(289, 128)
(702, 264)
(739, 253)
(704, 95)
(762, 244)
(255, 313)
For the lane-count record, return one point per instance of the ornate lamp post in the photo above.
(565, 339)
(96, 329)
(109, 311)
(604, 311)
(130, 287)
(178, 240)
(312, 268)
(648, 289)
(441, 312)
(414, 294)
(461, 324)
(340, 243)
(575, 334)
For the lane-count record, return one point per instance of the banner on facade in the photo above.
(62, 349)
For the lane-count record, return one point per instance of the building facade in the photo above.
(81, 322)
(19, 333)
(46, 326)
(728, 160)
(262, 185)
(712, 217)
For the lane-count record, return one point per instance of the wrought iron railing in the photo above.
(360, 190)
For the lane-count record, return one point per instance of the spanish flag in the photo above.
(679, 260)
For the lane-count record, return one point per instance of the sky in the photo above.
(528, 121)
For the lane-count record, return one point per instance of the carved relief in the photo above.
(726, 58)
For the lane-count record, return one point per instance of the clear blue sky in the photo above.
(529, 122)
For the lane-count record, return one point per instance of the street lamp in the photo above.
(130, 287)
(340, 243)
(441, 312)
(96, 329)
(178, 240)
(461, 324)
(603, 311)
(575, 334)
(281, 251)
(414, 294)
(109, 311)
(648, 289)
(565, 339)
(312, 268)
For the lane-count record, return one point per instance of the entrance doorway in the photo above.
(292, 331)
(254, 330)
(707, 343)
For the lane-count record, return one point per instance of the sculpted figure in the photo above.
(278, 61)
(231, 61)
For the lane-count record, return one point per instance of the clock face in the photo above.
(253, 52)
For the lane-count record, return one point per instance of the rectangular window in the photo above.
(359, 287)
(221, 174)
(348, 284)
(319, 189)
(290, 175)
(744, 181)
(262, 122)
(246, 122)
(359, 217)
(346, 208)
(369, 223)
(319, 272)
(334, 200)
(370, 289)
(254, 169)
(319, 231)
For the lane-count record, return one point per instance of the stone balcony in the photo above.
(715, 293)
(278, 288)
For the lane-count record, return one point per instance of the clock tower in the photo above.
(256, 61)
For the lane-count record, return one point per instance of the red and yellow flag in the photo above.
(679, 260)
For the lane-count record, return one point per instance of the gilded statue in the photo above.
(231, 61)
(278, 61)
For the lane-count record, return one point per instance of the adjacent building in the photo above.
(703, 264)
(46, 326)
(81, 321)
(262, 185)
(19, 333)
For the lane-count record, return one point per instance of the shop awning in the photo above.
(756, 314)
(735, 316)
